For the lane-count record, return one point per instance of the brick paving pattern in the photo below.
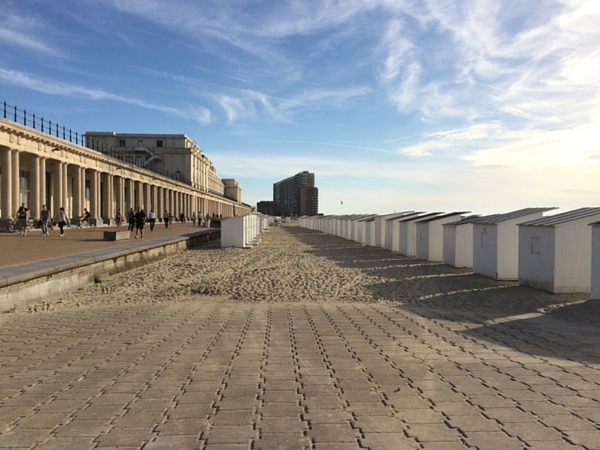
(221, 375)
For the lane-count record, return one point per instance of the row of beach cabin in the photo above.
(558, 253)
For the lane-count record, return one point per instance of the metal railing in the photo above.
(54, 129)
(45, 126)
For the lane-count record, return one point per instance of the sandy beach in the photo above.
(295, 265)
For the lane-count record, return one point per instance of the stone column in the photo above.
(42, 172)
(159, 203)
(107, 198)
(57, 185)
(36, 205)
(7, 198)
(154, 199)
(120, 195)
(16, 181)
(78, 190)
(94, 197)
(65, 191)
(139, 197)
(147, 198)
(128, 196)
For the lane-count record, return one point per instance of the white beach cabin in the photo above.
(555, 252)
(430, 235)
(380, 222)
(496, 243)
(392, 230)
(407, 232)
(595, 260)
(458, 242)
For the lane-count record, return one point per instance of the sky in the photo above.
(434, 105)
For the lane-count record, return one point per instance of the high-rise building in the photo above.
(296, 195)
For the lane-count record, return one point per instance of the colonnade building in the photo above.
(154, 172)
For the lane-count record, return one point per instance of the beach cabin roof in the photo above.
(499, 218)
(406, 215)
(418, 217)
(463, 221)
(367, 218)
(561, 219)
(441, 216)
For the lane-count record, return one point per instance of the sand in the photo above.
(293, 264)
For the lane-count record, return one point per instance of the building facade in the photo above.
(37, 167)
(296, 195)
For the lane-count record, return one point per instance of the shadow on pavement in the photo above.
(438, 291)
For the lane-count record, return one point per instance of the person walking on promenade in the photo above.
(118, 218)
(22, 220)
(194, 218)
(140, 220)
(151, 219)
(166, 218)
(62, 220)
(130, 219)
(182, 217)
(44, 216)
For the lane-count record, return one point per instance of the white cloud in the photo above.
(25, 32)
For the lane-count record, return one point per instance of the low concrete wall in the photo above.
(46, 280)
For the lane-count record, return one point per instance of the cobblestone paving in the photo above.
(330, 376)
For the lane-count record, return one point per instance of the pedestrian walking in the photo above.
(194, 218)
(22, 213)
(44, 216)
(140, 220)
(130, 219)
(151, 219)
(166, 218)
(182, 217)
(63, 220)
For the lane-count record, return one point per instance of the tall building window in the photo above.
(178, 176)
(122, 143)
(159, 144)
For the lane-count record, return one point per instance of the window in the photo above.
(122, 143)
(159, 144)
(178, 176)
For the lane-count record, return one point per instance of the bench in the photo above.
(116, 235)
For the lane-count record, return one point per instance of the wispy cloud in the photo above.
(50, 87)
(25, 32)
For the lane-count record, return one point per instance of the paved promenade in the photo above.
(218, 375)
(35, 247)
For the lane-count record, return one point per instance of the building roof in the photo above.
(498, 218)
(442, 216)
(418, 217)
(463, 221)
(566, 217)
(405, 215)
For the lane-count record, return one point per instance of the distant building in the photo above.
(179, 158)
(266, 207)
(296, 195)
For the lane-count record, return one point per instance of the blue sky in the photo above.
(439, 105)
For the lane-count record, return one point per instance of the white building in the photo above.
(380, 227)
(496, 243)
(458, 243)
(407, 231)
(392, 230)
(595, 282)
(555, 252)
(430, 234)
